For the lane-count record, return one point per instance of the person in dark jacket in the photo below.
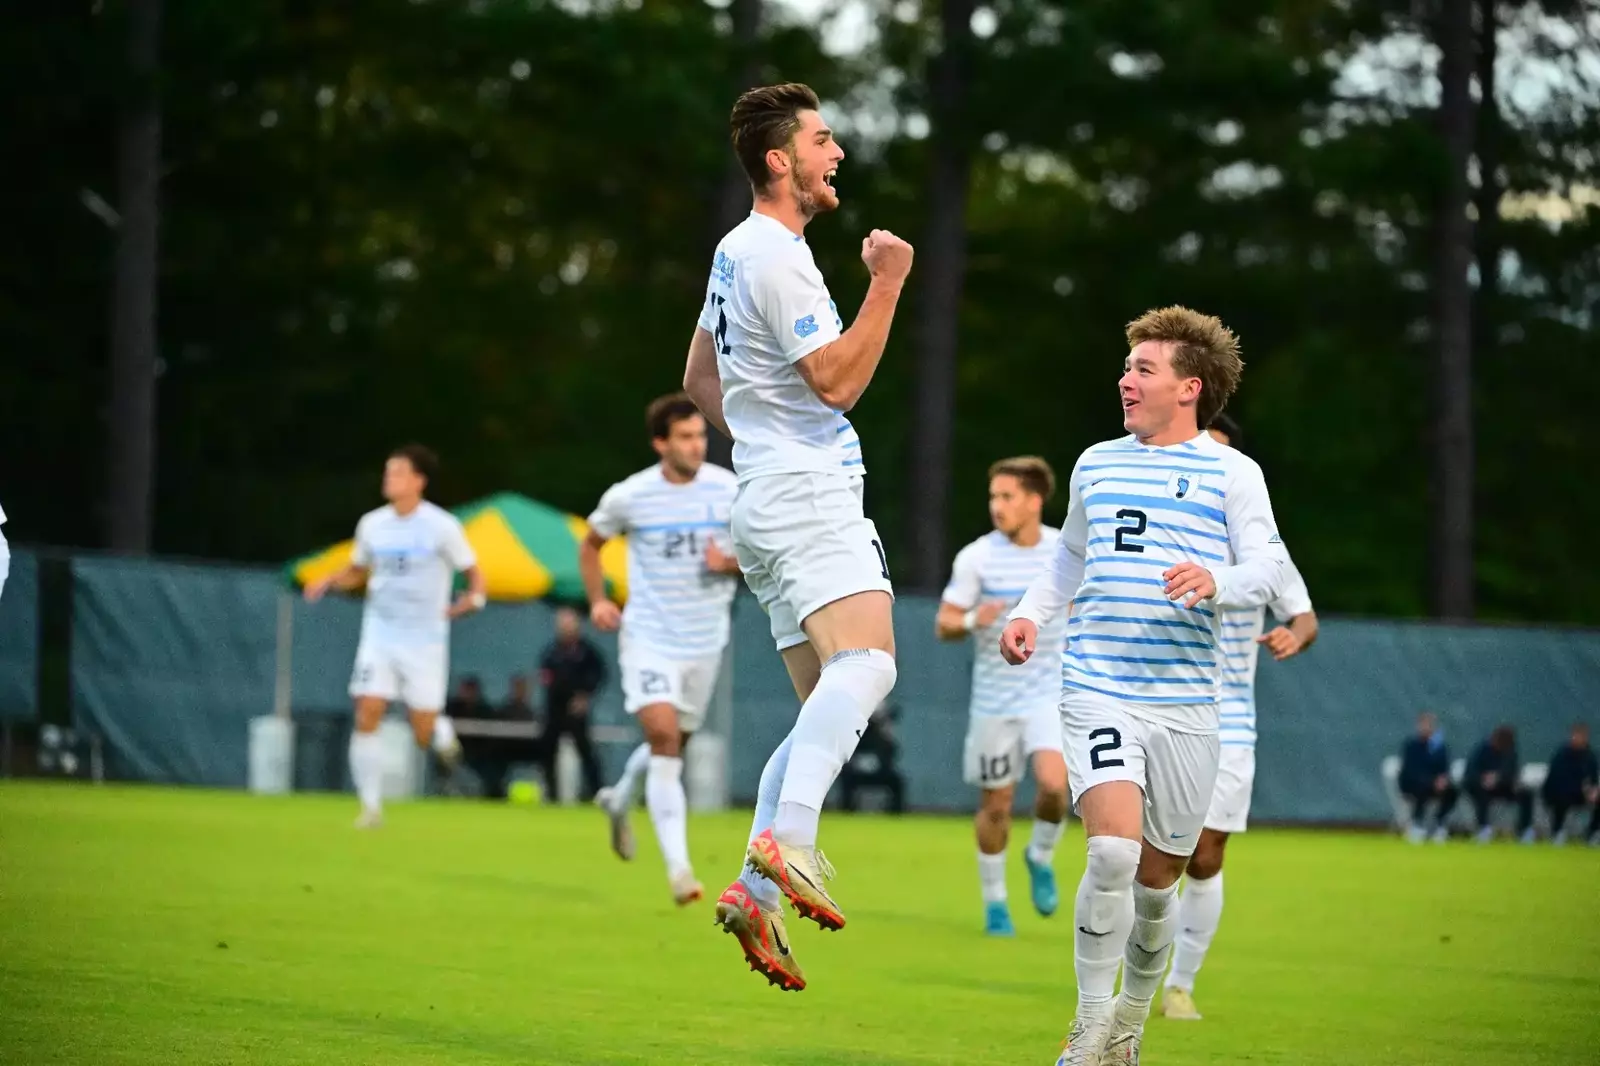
(1493, 774)
(1573, 781)
(571, 671)
(1425, 779)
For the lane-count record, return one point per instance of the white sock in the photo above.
(638, 763)
(366, 770)
(1155, 912)
(1046, 835)
(669, 810)
(1199, 914)
(444, 734)
(765, 892)
(992, 876)
(1104, 918)
(831, 721)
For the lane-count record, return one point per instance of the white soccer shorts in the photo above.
(1000, 746)
(804, 541)
(416, 675)
(649, 677)
(1107, 739)
(1230, 799)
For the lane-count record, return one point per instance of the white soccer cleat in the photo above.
(687, 890)
(1441, 835)
(1084, 1042)
(1178, 1004)
(1122, 1048)
(1416, 834)
(369, 819)
(621, 832)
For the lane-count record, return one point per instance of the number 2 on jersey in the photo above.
(1135, 530)
(720, 335)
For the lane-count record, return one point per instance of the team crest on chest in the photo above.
(1183, 485)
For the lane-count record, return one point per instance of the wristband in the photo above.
(478, 600)
(970, 620)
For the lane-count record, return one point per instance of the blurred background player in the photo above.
(680, 589)
(409, 551)
(1165, 529)
(769, 366)
(1425, 780)
(1243, 636)
(1012, 716)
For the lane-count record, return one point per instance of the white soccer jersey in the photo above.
(766, 309)
(412, 561)
(1134, 512)
(994, 568)
(1240, 628)
(676, 607)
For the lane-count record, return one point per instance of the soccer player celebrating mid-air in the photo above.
(1243, 635)
(681, 581)
(1013, 710)
(409, 551)
(1165, 529)
(771, 365)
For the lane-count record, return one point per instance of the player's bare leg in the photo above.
(616, 801)
(992, 827)
(432, 729)
(665, 798)
(1049, 818)
(366, 760)
(750, 908)
(1199, 914)
(854, 641)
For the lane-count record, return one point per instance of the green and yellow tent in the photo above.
(526, 550)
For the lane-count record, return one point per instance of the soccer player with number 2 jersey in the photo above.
(1165, 529)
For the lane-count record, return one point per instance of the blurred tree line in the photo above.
(486, 225)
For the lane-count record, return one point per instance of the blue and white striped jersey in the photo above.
(766, 309)
(1135, 511)
(993, 567)
(676, 607)
(411, 561)
(1240, 628)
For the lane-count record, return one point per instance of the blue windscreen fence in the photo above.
(19, 639)
(171, 661)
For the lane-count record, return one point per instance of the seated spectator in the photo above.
(518, 706)
(468, 701)
(872, 765)
(1573, 781)
(1494, 774)
(1425, 778)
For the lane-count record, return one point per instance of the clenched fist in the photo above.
(887, 256)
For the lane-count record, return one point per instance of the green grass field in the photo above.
(150, 926)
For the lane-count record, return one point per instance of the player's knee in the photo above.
(870, 673)
(1206, 862)
(1113, 862)
(994, 805)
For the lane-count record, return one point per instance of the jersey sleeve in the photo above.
(361, 553)
(453, 545)
(965, 585)
(1260, 570)
(610, 516)
(791, 298)
(1053, 590)
(1296, 598)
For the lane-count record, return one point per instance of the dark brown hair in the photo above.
(666, 411)
(764, 119)
(1031, 472)
(1203, 348)
(422, 459)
